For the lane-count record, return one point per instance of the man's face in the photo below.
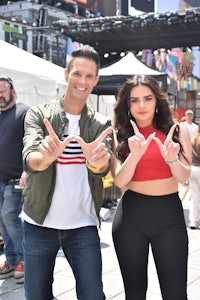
(81, 78)
(6, 95)
(189, 118)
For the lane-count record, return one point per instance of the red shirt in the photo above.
(152, 165)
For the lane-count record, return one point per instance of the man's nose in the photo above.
(82, 79)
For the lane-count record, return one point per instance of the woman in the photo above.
(194, 214)
(152, 155)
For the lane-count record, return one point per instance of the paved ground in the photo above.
(64, 285)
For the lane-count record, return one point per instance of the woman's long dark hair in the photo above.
(162, 118)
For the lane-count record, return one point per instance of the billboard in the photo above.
(16, 34)
(143, 5)
(52, 47)
(135, 7)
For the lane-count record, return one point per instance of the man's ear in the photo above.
(14, 93)
(66, 74)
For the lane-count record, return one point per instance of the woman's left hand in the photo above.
(169, 149)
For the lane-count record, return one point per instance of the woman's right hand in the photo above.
(137, 143)
(123, 172)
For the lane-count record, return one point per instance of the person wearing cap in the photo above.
(192, 127)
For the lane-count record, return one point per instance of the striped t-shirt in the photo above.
(72, 205)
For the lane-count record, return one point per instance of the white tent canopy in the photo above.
(35, 79)
(128, 65)
(113, 76)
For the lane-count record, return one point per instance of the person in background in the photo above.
(183, 119)
(152, 155)
(66, 154)
(12, 179)
(192, 127)
(194, 212)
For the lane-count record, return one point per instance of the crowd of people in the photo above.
(53, 159)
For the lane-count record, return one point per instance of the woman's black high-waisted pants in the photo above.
(140, 221)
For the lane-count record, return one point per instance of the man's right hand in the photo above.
(49, 149)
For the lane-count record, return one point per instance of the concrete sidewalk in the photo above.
(64, 284)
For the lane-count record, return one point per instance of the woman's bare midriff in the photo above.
(156, 187)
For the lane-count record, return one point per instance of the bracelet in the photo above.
(172, 162)
(92, 168)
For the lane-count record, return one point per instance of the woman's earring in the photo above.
(129, 113)
(156, 110)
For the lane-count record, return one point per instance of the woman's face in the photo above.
(142, 105)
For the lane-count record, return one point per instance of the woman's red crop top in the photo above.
(152, 165)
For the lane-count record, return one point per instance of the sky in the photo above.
(165, 5)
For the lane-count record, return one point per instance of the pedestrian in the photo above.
(12, 178)
(192, 127)
(194, 212)
(66, 154)
(152, 157)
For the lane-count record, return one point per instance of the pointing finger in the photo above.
(150, 138)
(171, 132)
(98, 140)
(80, 141)
(49, 128)
(67, 140)
(103, 135)
(135, 128)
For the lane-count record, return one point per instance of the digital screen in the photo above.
(143, 5)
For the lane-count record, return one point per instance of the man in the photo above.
(192, 127)
(11, 179)
(66, 154)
